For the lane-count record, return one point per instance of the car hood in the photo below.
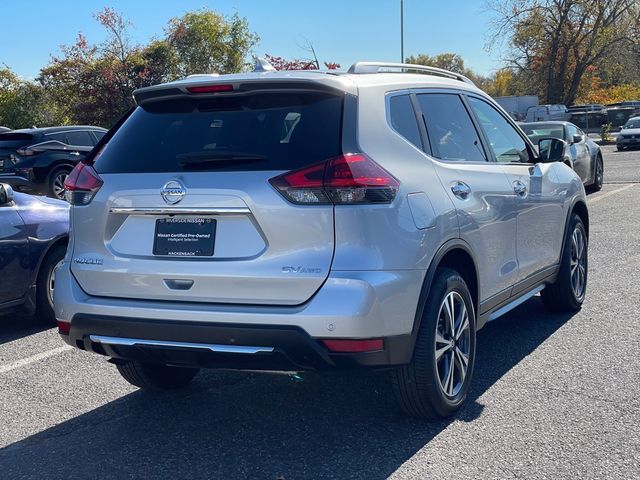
(630, 131)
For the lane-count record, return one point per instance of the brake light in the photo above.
(27, 152)
(82, 184)
(344, 180)
(354, 346)
(64, 327)
(210, 89)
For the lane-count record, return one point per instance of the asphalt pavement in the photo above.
(554, 396)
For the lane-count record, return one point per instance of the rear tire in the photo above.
(156, 376)
(45, 283)
(55, 182)
(423, 388)
(567, 293)
(620, 148)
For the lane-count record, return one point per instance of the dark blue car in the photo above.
(34, 232)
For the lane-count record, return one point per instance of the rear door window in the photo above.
(452, 134)
(281, 131)
(403, 119)
(79, 138)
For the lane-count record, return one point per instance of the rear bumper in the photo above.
(350, 305)
(192, 344)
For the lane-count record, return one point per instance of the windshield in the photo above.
(537, 132)
(634, 123)
(275, 131)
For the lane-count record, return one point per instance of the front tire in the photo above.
(436, 382)
(156, 376)
(45, 284)
(567, 293)
(598, 176)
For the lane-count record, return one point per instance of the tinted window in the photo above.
(245, 132)
(13, 141)
(505, 141)
(403, 119)
(80, 138)
(98, 134)
(451, 131)
(60, 137)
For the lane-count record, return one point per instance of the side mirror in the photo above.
(577, 138)
(551, 149)
(6, 194)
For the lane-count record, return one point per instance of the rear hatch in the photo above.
(9, 144)
(186, 211)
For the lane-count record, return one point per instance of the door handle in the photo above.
(520, 188)
(461, 190)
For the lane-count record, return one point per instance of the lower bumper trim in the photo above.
(139, 342)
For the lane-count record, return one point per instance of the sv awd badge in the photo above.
(300, 270)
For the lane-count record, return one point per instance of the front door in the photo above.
(538, 192)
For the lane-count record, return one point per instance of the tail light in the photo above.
(344, 180)
(82, 184)
(27, 152)
(354, 346)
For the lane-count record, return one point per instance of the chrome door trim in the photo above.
(181, 210)
(513, 304)
(135, 342)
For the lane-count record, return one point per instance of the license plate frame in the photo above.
(184, 237)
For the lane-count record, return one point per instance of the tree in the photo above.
(280, 63)
(447, 61)
(208, 42)
(555, 42)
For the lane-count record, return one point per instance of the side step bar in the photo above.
(513, 304)
(139, 342)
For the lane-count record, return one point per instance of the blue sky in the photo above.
(340, 30)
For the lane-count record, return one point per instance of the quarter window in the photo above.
(403, 119)
(450, 129)
(507, 144)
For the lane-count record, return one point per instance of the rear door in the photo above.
(187, 213)
(478, 188)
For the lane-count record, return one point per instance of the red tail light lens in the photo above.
(345, 180)
(82, 184)
(210, 89)
(64, 327)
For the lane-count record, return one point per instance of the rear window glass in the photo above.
(537, 132)
(244, 132)
(14, 140)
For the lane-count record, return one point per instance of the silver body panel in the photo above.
(364, 265)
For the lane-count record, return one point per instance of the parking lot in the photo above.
(554, 396)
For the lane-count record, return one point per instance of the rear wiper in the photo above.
(196, 158)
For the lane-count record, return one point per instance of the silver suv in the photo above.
(316, 220)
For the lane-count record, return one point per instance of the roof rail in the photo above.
(386, 67)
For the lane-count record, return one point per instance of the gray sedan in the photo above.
(581, 153)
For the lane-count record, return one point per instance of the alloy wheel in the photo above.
(452, 344)
(58, 185)
(578, 263)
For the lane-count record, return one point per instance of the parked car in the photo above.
(38, 160)
(33, 241)
(540, 113)
(629, 136)
(312, 220)
(588, 117)
(580, 153)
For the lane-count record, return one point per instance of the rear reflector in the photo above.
(82, 184)
(354, 346)
(211, 89)
(64, 327)
(344, 180)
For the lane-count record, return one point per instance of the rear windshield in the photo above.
(14, 140)
(536, 132)
(265, 131)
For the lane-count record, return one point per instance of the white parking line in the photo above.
(34, 358)
(605, 195)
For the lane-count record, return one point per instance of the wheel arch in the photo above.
(457, 255)
(62, 240)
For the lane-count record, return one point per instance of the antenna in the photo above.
(263, 65)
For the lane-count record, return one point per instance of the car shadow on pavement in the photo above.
(245, 425)
(15, 325)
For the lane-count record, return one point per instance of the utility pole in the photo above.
(401, 31)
